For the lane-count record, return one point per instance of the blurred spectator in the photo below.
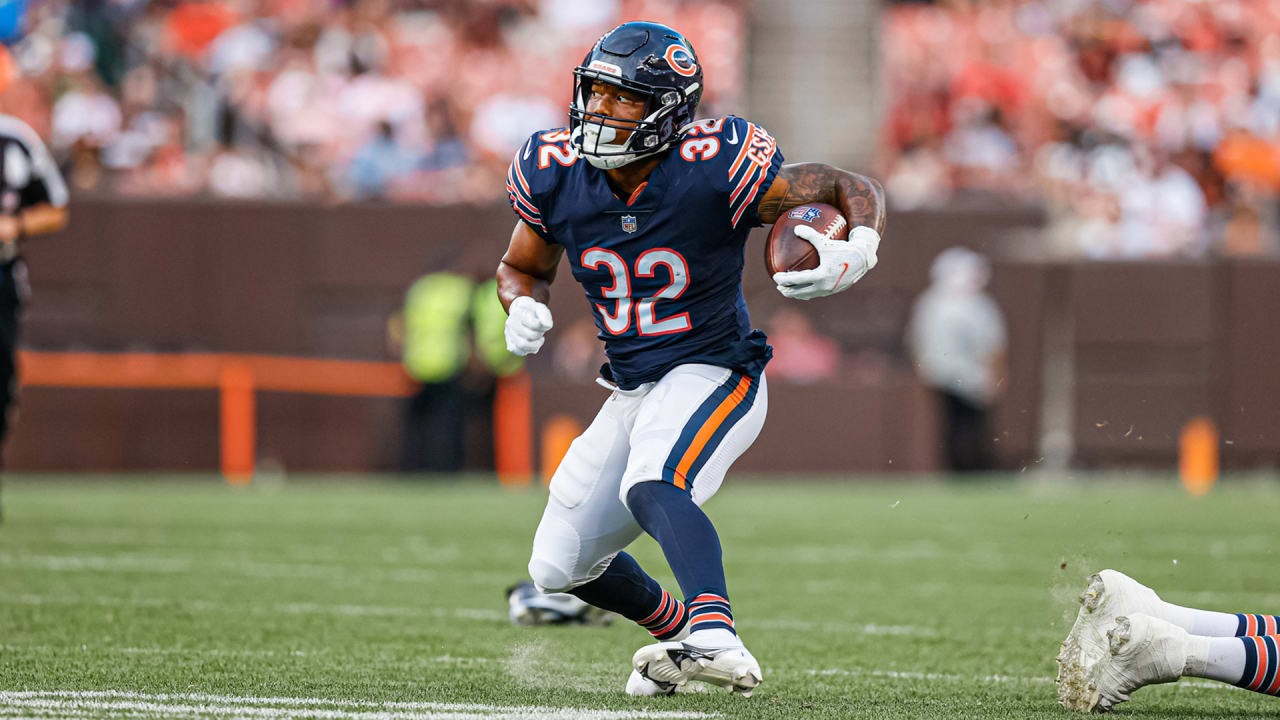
(294, 91)
(377, 164)
(1109, 110)
(957, 337)
(800, 354)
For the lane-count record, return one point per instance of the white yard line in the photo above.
(145, 705)
(836, 626)
(978, 679)
(480, 614)
(217, 652)
(159, 564)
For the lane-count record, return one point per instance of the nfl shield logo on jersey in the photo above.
(805, 213)
(629, 223)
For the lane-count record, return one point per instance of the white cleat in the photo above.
(1108, 596)
(1142, 650)
(676, 663)
(641, 686)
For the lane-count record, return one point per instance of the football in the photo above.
(783, 251)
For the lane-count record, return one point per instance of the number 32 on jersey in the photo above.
(618, 321)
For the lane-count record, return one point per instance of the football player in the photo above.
(653, 209)
(1125, 637)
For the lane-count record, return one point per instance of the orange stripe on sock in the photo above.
(709, 428)
(1262, 663)
(656, 613)
(1275, 684)
(1271, 625)
(713, 617)
(708, 597)
(1250, 624)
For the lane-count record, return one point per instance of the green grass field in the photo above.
(384, 600)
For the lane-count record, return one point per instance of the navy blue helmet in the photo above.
(652, 60)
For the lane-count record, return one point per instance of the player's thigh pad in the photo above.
(584, 525)
(691, 427)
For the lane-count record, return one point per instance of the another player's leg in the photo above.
(1103, 660)
(1144, 650)
(690, 429)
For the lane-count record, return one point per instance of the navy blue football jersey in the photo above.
(662, 270)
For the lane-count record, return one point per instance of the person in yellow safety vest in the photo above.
(436, 348)
(489, 320)
(492, 361)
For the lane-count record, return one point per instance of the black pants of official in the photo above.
(434, 427)
(10, 305)
(966, 434)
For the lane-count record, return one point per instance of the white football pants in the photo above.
(687, 429)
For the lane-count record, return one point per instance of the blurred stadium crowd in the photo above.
(414, 100)
(1150, 127)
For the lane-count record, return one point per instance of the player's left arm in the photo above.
(859, 197)
(861, 200)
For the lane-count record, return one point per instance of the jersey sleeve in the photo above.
(520, 191)
(28, 165)
(749, 168)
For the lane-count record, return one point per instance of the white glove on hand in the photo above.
(527, 321)
(841, 263)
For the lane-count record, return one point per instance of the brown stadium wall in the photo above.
(1153, 344)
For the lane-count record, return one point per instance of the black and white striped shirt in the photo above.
(29, 176)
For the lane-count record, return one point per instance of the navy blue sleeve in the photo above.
(529, 178)
(741, 158)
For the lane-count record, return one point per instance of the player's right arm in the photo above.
(524, 287)
(526, 271)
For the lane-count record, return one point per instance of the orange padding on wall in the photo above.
(204, 370)
(238, 377)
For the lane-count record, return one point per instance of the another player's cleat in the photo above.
(1142, 650)
(676, 663)
(1108, 595)
(641, 686)
(527, 606)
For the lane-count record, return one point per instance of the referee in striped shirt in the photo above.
(33, 201)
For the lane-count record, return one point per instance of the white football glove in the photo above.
(527, 321)
(841, 263)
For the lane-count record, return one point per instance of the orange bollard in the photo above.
(556, 438)
(239, 424)
(513, 430)
(1198, 455)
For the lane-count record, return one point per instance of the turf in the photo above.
(862, 600)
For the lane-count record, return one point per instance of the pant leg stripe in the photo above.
(737, 413)
(701, 427)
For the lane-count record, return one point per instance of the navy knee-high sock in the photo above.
(626, 589)
(689, 541)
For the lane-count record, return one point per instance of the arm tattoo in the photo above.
(859, 197)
